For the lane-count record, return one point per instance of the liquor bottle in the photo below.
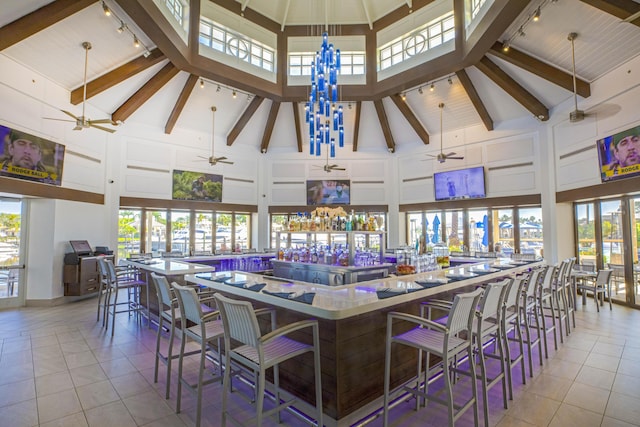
(280, 254)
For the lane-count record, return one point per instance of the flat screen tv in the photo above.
(459, 184)
(196, 186)
(619, 155)
(80, 247)
(29, 157)
(328, 192)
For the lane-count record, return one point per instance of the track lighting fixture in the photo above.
(248, 97)
(505, 46)
(201, 84)
(450, 81)
(349, 106)
(433, 87)
(124, 28)
(234, 94)
(536, 15)
(403, 96)
(521, 32)
(420, 90)
(218, 89)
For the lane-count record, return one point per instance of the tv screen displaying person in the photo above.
(620, 154)
(24, 157)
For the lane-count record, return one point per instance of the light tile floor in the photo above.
(58, 367)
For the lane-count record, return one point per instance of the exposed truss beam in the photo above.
(366, 12)
(244, 119)
(513, 88)
(384, 123)
(180, 103)
(468, 86)
(117, 76)
(356, 126)
(143, 94)
(623, 9)
(285, 15)
(39, 19)
(296, 120)
(411, 118)
(268, 129)
(541, 69)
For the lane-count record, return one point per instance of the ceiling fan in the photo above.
(83, 122)
(327, 167)
(213, 160)
(577, 115)
(441, 156)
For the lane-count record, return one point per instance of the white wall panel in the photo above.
(502, 183)
(368, 194)
(148, 185)
(289, 195)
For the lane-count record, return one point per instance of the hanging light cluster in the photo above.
(323, 117)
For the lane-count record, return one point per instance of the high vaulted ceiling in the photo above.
(489, 87)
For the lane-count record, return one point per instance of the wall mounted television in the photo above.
(329, 192)
(196, 186)
(29, 157)
(459, 184)
(619, 155)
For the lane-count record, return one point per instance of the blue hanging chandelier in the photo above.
(324, 118)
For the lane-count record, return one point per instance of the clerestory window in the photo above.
(417, 42)
(237, 45)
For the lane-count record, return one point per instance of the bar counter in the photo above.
(352, 322)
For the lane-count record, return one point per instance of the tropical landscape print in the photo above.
(196, 186)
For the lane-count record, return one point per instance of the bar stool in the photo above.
(260, 352)
(545, 301)
(528, 310)
(486, 331)
(207, 330)
(511, 322)
(125, 280)
(169, 311)
(444, 341)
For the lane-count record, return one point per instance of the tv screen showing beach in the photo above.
(619, 155)
(197, 186)
(328, 192)
(459, 184)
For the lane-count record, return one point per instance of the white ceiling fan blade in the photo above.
(70, 114)
(59, 120)
(102, 128)
(103, 121)
(202, 157)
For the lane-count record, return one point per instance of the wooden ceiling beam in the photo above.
(244, 119)
(143, 94)
(268, 129)
(541, 69)
(513, 88)
(39, 19)
(384, 123)
(180, 103)
(622, 9)
(296, 120)
(117, 76)
(411, 118)
(356, 126)
(468, 86)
